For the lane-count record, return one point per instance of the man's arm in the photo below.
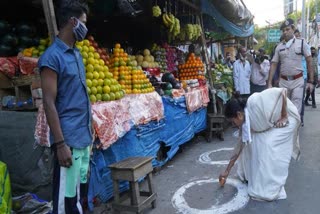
(310, 73)
(310, 68)
(273, 68)
(49, 90)
(235, 78)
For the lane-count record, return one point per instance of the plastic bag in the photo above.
(30, 204)
(5, 190)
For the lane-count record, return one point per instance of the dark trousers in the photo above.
(312, 96)
(257, 88)
(69, 203)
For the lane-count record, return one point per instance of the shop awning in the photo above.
(232, 15)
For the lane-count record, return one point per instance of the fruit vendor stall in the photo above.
(148, 95)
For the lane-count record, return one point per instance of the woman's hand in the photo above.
(282, 122)
(223, 178)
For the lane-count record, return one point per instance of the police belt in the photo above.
(291, 77)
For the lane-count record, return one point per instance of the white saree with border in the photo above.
(264, 162)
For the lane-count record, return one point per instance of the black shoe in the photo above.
(307, 104)
(314, 106)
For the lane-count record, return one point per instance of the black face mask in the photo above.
(313, 54)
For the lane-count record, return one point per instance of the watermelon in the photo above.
(9, 39)
(6, 50)
(4, 27)
(25, 41)
(24, 29)
(167, 77)
(168, 92)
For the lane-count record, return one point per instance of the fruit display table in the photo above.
(176, 128)
(138, 125)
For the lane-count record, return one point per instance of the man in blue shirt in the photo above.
(67, 108)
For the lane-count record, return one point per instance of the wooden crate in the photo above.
(22, 94)
(25, 79)
(5, 82)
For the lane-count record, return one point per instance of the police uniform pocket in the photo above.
(297, 50)
(283, 53)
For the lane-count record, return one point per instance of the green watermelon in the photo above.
(4, 27)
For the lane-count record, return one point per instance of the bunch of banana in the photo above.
(192, 31)
(172, 23)
(182, 35)
(198, 31)
(167, 20)
(156, 11)
(189, 31)
(176, 27)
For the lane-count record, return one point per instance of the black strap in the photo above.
(302, 53)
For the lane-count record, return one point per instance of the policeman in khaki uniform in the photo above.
(290, 53)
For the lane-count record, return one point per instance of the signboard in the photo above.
(274, 35)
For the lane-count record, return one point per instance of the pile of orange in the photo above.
(132, 80)
(140, 82)
(119, 68)
(193, 68)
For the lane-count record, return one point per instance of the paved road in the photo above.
(302, 185)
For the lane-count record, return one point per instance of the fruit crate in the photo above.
(25, 79)
(23, 99)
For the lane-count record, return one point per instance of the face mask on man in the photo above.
(80, 30)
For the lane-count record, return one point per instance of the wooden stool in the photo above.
(215, 126)
(132, 169)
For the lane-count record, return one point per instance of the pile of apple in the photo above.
(192, 69)
(160, 57)
(101, 85)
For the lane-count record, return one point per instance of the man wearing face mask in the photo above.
(67, 108)
(242, 73)
(289, 53)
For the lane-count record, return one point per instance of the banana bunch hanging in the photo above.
(191, 32)
(172, 23)
(156, 11)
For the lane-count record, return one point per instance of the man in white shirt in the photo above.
(242, 73)
(260, 71)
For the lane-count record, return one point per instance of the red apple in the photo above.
(94, 44)
(90, 38)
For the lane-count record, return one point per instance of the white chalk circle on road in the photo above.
(205, 158)
(240, 199)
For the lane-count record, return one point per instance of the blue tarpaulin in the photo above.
(243, 29)
(178, 127)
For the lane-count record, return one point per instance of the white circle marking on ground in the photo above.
(240, 199)
(204, 158)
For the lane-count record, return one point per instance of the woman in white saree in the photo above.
(268, 136)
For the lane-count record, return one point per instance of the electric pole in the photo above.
(303, 19)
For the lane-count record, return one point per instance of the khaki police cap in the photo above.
(287, 23)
